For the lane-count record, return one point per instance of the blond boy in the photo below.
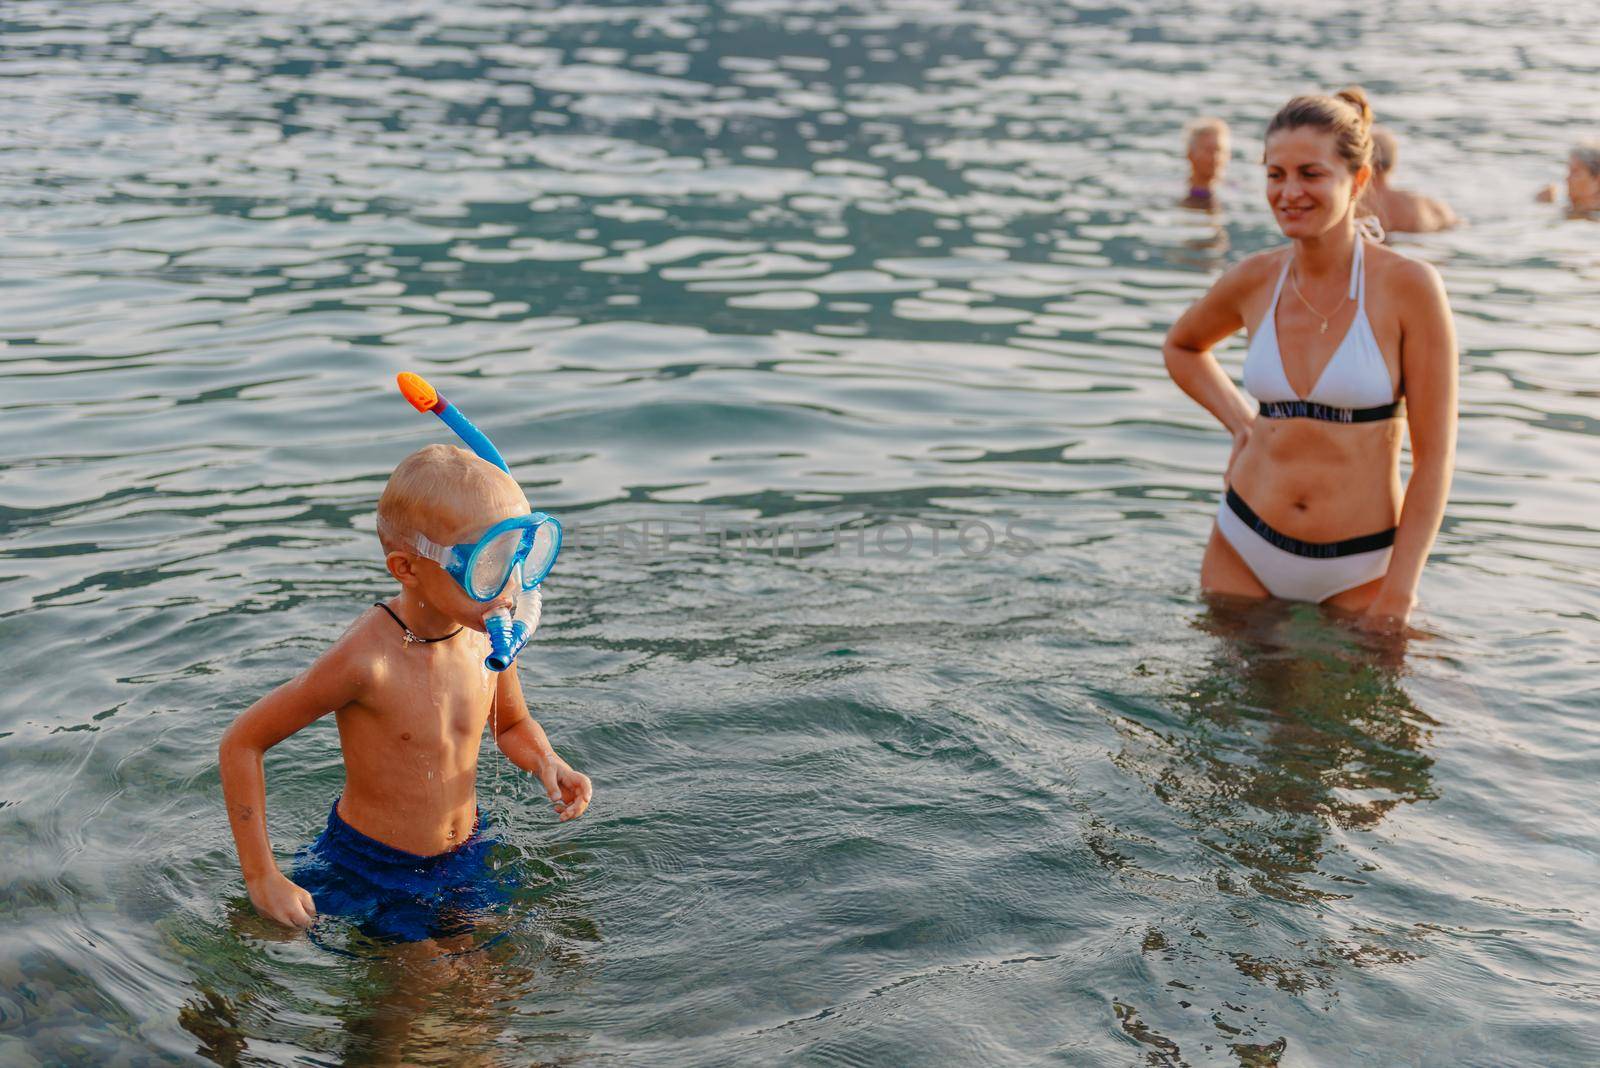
(411, 696)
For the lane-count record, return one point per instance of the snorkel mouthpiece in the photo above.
(504, 642)
(508, 633)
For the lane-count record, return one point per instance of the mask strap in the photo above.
(432, 550)
(420, 544)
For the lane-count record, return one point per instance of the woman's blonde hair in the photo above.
(1346, 115)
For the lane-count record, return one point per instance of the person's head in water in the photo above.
(1385, 154)
(1399, 210)
(1319, 160)
(1207, 151)
(1583, 177)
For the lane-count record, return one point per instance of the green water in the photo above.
(847, 276)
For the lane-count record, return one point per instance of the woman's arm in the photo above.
(326, 686)
(1428, 367)
(1211, 319)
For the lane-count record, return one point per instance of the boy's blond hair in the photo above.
(433, 492)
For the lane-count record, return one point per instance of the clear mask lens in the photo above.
(540, 556)
(492, 566)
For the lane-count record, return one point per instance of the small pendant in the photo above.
(1324, 329)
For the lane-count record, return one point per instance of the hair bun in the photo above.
(1356, 97)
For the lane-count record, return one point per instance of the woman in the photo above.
(1583, 181)
(1348, 339)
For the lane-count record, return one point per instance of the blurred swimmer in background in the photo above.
(1400, 210)
(1208, 157)
(1583, 181)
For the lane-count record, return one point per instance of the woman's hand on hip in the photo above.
(1241, 438)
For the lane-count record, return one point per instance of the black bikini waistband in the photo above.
(1318, 550)
(1300, 409)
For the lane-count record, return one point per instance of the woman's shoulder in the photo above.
(1264, 264)
(1407, 278)
(1256, 270)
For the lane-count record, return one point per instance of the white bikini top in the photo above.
(1354, 386)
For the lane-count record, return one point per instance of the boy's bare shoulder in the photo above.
(357, 652)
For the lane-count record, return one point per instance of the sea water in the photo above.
(761, 299)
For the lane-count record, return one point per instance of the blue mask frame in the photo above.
(461, 561)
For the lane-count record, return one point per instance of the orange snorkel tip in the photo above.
(415, 388)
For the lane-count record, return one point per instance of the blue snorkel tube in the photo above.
(507, 633)
(424, 398)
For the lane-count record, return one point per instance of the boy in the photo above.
(409, 691)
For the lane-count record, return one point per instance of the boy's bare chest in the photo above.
(432, 704)
(447, 722)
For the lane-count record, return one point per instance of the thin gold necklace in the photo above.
(1295, 282)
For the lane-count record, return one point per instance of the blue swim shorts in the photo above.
(402, 896)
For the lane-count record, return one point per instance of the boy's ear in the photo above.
(403, 566)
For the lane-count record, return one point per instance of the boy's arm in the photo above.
(332, 682)
(524, 743)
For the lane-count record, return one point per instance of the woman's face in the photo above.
(1583, 185)
(1309, 186)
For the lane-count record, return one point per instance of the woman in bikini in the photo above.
(1349, 343)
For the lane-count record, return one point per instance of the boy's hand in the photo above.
(279, 899)
(568, 790)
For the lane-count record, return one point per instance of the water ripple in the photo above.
(817, 288)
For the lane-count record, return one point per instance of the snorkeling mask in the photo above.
(521, 549)
(526, 544)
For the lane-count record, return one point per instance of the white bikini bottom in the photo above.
(1296, 570)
